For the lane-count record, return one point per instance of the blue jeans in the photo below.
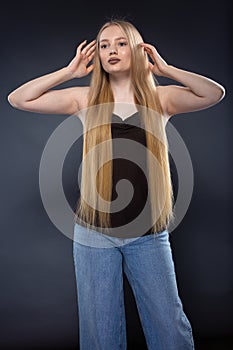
(99, 262)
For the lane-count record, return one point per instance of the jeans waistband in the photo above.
(92, 238)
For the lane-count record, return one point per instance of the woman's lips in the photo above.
(113, 60)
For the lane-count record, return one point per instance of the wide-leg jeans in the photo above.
(147, 261)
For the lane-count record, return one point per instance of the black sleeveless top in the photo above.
(130, 129)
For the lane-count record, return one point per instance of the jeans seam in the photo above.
(121, 315)
(133, 284)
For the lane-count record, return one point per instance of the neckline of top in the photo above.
(123, 120)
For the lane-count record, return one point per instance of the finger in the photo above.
(150, 49)
(89, 46)
(91, 50)
(151, 66)
(81, 45)
(90, 57)
(150, 55)
(149, 46)
(90, 68)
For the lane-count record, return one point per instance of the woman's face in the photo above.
(114, 50)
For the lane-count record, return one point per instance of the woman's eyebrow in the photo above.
(121, 37)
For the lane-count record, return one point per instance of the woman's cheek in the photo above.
(104, 65)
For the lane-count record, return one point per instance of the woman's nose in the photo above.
(113, 50)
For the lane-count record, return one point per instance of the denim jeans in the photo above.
(99, 262)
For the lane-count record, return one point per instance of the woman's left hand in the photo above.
(158, 67)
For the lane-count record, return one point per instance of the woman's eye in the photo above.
(104, 46)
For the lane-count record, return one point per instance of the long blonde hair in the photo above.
(98, 130)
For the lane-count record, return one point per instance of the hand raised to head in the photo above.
(159, 65)
(84, 54)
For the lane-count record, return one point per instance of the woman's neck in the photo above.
(122, 89)
(124, 105)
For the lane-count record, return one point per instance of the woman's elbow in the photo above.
(220, 94)
(14, 101)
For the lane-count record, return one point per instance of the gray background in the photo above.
(38, 307)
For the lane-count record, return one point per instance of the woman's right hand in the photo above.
(38, 95)
(84, 54)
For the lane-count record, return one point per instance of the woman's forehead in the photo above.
(111, 32)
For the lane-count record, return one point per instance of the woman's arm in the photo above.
(198, 93)
(36, 96)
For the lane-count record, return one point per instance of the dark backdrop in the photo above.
(38, 294)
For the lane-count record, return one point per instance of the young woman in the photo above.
(122, 97)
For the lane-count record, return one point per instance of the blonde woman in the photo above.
(123, 102)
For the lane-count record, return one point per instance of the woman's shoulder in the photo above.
(161, 90)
